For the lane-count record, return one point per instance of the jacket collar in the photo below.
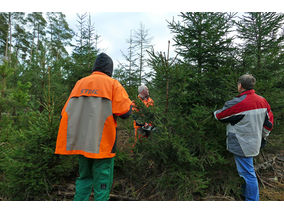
(99, 73)
(251, 91)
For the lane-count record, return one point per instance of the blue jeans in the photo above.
(246, 171)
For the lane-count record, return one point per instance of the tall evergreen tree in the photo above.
(31, 110)
(38, 24)
(261, 33)
(142, 42)
(189, 140)
(130, 67)
(59, 34)
(15, 46)
(203, 42)
(85, 51)
(262, 53)
(4, 27)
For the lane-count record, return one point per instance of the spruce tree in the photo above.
(85, 51)
(142, 42)
(262, 48)
(127, 72)
(38, 24)
(130, 66)
(262, 39)
(32, 95)
(3, 33)
(204, 43)
(190, 141)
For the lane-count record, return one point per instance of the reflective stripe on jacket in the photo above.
(88, 126)
(250, 118)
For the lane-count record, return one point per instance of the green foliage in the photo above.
(128, 80)
(202, 39)
(81, 65)
(33, 92)
(3, 32)
(20, 97)
(84, 54)
(262, 50)
(29, 168)
(185, 158)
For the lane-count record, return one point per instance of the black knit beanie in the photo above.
(104, 64)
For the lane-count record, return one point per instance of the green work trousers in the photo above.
(94, 174)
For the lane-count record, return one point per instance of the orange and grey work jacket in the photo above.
(88, 124)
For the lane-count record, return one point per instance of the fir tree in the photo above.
(85, 51)
(130, 67)
(262, 53)
(3, 33)
(190, 146)
(142, 42)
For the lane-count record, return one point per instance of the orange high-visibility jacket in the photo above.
(148, 102)
(88, 125)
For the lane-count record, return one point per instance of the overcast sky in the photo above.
(113, 19)
(114, 29)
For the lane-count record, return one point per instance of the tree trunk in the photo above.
(10, 23)
(49, 103)
(32, 47)
(7, 38)
(167, 73)
(258, 54)
(199, 62)
(2, 92)
(37, 46)
(141, 58)
(130, 58)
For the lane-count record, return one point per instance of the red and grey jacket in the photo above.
(250, 119)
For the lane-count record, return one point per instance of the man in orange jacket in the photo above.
(145, 98)
(88, 128)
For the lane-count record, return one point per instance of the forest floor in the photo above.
(268, 165)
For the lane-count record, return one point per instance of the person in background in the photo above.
(143, 95)
(88, 128)
(250, 121)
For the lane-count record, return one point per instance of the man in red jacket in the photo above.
(250, 121)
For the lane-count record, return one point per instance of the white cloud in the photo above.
(142, 6)
(114, 29)
(145, 5)
(105, 46)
